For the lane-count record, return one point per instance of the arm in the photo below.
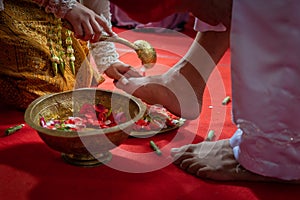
(85, 22)
(104, 53)
(185, 82)
(207, 47)
(194, 71)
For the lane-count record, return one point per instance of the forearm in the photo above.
(194, 69)
(215, 43)
(204, 54)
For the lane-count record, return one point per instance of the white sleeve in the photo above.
(203, 27)
(104, 53)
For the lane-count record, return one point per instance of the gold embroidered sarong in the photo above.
(25, 65)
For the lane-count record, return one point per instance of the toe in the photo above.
(195, 166)
(203, 172)
(180, 157)
(180, 150)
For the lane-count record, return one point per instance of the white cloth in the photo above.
(266, 95)
(203, 27)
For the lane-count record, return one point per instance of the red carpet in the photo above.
(30, 170)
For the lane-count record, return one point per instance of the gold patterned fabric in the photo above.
(25, 60)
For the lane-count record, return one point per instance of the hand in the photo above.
(86, 24)
(179, 90)
(121, 70)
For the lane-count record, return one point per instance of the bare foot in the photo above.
(215, 160)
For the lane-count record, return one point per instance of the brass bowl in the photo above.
(88, 147)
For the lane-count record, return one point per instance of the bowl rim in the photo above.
(61, 133)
